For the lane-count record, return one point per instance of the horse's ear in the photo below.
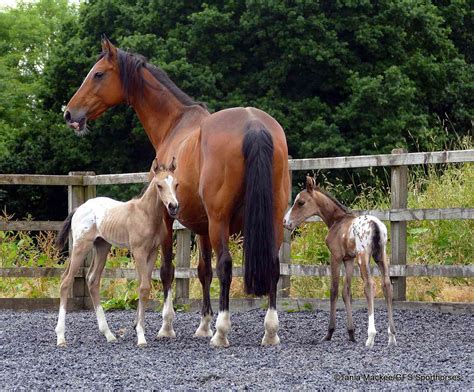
(154, 166)
(310, 184)
(108, 48)
(172, 167)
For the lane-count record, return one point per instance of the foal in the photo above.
(349, 238)
(137, 225)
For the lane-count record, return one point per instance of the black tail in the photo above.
(261, 262)
(63, 235)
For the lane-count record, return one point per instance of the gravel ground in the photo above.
(431, 346)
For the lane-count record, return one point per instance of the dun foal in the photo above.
(137, 225)
(349, 238)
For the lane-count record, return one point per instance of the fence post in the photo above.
(183, 260)
(284, 284)
(77, 195)
(398, 230)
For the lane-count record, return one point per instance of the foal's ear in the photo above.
(154, 166)
(172, 167)
(107, 47)
(310, 184)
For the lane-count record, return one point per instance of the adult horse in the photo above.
(232, 170)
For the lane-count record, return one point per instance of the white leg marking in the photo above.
(61, 326)
(391, 338)
(167, 330)
(371, 332)
(204, 330)
(141, 341)
(103, 326)
(222, 330)
(271, 325)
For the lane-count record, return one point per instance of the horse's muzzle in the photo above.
(76, 122)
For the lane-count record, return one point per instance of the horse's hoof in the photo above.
(203, 333)
(392, 341)
(218, 341)
(270, 340)
(351, 335)
(166, 333)
(111, 338)
(142, 344)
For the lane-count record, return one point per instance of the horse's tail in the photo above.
(260, 260)
(63, 235)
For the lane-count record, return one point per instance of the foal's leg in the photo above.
(93, 282)
(205, 277)
(141, 259)
(79, 252)
(347, 296)
(369, 290)
(219, 235)
(388, 293)
(335, 269)
(167, 276)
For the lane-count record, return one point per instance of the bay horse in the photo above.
(137, 225)
(349, 238)
(233, 175)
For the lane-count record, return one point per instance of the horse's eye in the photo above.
(300, 203)
(99, 75)
(176, 187)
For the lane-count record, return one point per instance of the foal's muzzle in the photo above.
(173, 209)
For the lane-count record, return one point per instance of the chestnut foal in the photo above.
(137, 225)
(349, 238)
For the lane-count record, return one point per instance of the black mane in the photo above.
(347, 210)
(131, 65)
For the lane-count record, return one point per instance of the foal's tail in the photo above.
(63, 235)
(261, 262)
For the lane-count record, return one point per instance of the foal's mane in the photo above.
(131, 76)
(347, 210)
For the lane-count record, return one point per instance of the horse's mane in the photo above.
(347, 210)
(131, 65)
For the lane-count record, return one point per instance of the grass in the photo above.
(429, 242)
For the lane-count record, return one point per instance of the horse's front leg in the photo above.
(219, 235)
(167, 276)
(205, 277)
(141, 262)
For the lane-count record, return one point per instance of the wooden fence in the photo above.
(82, 186)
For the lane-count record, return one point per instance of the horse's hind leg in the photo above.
(79, 252)
(205, 277)
(369, 290)
(388, 293)
(93, 282)
(346, 295)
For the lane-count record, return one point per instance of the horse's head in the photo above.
(165, 181)
(305, 205)
(100, 90)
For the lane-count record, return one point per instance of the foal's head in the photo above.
(165, 182)
(307, 203)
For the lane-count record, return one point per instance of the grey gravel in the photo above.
(430, 345)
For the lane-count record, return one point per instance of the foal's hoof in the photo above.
(166, 333)
(328, 337)
(392, 341)
(142, 344)
(203, 333)
(219, 341)
(270, 340)
(111, 338)
(62, 344)
(351, 335)
(369, 343)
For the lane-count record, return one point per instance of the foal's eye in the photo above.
(99, 75)
(160, 187)
(300, 203)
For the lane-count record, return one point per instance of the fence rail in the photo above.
(82, 186)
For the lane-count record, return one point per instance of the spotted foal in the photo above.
(137, 225)
(349, 238)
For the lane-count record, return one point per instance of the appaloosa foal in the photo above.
(137, 225)
(349, 238)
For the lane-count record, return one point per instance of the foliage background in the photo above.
(343, 78)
